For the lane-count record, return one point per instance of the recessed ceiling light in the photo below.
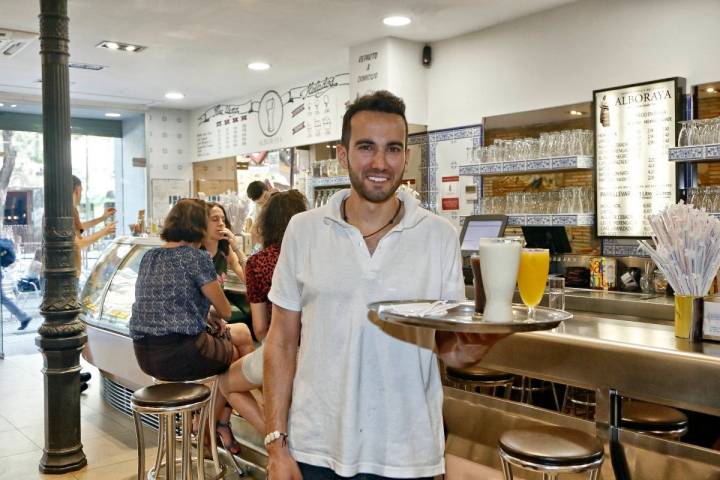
(576, 113)
(259, 66)
(710, 90)
(174, 96)
(113, 115)
(2, 104)
(127, 47)
(397, 21)
(13, 105)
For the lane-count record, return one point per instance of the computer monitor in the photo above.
(480, 226)
(554, 239)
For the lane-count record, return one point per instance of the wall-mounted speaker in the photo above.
(426, 56)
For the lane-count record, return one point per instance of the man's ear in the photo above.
(342, 156)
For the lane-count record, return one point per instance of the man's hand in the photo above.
(281, 466)
(109, 212)
(109, 228)
(461, 350)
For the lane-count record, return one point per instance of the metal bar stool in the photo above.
(653, 419)
(641, 417)
(527, 389)
(475, 378)
(212, 383)
(165, 401)
(579, 398)
(550, 450)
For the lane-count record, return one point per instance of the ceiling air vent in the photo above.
(12, 41)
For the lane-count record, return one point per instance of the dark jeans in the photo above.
(311, 472)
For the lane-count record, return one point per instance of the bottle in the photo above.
(604, 112)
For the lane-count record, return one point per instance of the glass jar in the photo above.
(660, 282)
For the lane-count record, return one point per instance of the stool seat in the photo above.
(552, 446)
(638, 415)
(478, 374)
(169, 395)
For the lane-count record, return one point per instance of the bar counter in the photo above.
(640, 360)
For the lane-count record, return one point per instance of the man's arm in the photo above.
(460, 350)
(88, 240)
(279, 362)
(95, 221)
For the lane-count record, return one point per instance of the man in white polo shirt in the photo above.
(362, 398)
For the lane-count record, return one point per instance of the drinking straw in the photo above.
(685, 247)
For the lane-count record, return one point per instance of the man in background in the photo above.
(85, 241)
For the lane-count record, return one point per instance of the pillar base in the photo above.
(62, 461)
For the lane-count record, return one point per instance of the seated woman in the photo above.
(175, 287)
(222, 244)
(246, 374)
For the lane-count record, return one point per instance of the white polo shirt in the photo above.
(366, 398)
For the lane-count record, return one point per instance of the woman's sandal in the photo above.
(232, 446)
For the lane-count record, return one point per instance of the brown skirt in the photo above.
(183, 357)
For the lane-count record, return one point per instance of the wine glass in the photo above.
(532, 276)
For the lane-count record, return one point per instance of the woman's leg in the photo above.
(241, 339)
(236, 388)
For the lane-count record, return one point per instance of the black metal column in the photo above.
(62, 335)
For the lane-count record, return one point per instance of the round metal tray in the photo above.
(464, 319)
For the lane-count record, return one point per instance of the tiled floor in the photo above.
(108, 437)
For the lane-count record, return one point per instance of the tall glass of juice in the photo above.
(532, 276)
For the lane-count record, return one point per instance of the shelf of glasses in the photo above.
(551, 164)
(695, 153)
(329, 181)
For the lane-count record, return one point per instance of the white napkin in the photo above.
(419, 309)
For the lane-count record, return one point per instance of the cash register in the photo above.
(475, 228)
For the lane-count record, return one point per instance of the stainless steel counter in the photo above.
(639, 360)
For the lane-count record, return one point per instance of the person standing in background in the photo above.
(85, 241)
(259, 192)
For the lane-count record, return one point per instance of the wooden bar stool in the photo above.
(550, 450)
(475, 378)
(165, 401)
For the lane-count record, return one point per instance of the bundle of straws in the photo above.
(687, 248)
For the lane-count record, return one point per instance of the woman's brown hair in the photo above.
(277, 213)
(186, 222)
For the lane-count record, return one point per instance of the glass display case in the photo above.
(109, 292)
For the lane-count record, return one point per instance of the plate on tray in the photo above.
(462, 318)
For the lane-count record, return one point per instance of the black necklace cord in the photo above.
(392, 220)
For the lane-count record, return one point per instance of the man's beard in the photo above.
(374, 196)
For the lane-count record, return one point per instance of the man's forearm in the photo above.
(91, 223)
(279, 362)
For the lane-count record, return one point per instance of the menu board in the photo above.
(293, 115)
(634, 127)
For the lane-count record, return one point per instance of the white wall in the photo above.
(130, 182)
(560, 56)
(169, 156)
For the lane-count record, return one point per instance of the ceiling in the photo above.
(202, 48)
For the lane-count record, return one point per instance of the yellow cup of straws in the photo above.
(688, 316)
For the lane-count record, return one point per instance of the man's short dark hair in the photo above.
(76, 182)
(256, 189)
(186, 222)
(380, 101)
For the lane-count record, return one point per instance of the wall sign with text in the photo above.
(278, 118)
(634, 127)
